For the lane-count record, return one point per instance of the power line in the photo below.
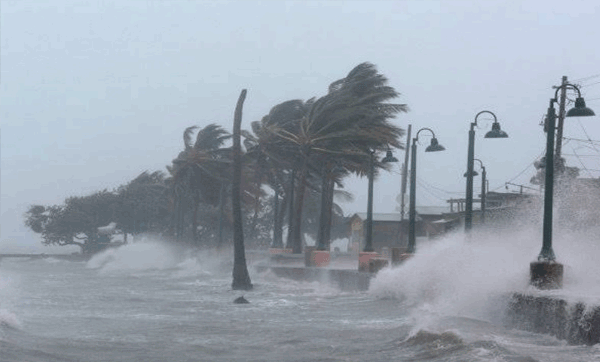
(589, 85)
(520, 173)
(439, 189)
(574, 154)
(586, 78)
(586, 134)
(426, 189)
(581, 139)
(585, 146)
(581, 162)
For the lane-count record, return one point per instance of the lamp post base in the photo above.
(546, 274)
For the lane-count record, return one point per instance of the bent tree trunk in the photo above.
(290, 200)
(327, 236)
(241, 278)
(277, 222)
(195, 219)
(299, 203)
(323, 212)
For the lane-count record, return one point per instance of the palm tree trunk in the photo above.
(195, 219)
(178, 217)
(182, 219)
(299, 203)
(277, 230)
(241, 278)
(221, 215)
(323, 212)
(255, 216)
(290, 199)
(330, 190)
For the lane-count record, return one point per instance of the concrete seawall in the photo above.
(344, 279)
(575, 322)
(69, 257)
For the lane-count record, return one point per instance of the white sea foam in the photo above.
(472, 277)
(154, 254)
(139, 256)
(454, 276)
(7, 298)
(9, 319)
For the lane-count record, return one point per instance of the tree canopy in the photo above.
(298, 145)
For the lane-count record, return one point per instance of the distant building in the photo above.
(390, 231)
(502, 208)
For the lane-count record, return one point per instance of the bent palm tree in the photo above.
(199, 171)
(344, 126)
(241, 278)
(274, 158)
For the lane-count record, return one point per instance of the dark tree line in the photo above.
(290, 164)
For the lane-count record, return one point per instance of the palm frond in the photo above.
(187, 136)
(211, 137)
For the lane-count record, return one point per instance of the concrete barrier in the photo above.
(344, 279)
(286, 258)
(575, 322)
(376, 264)
(363, 260)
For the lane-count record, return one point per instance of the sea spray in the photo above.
(579, 252)
(8, 297)
(8, 319)
(476, 278)
(458, 276)
(147, 254)
(152, 254)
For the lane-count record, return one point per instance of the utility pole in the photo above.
(403, 187)
(483, 194)
(404, 174)
(561, 118)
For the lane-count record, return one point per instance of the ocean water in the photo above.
(151, 302)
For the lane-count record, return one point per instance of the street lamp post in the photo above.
(368, 252)
(496, 132)
(546, 273)
(412, 211)
(369, 235)
(389, 157)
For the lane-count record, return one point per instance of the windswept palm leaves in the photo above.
(298, 144)
(342, 127)
(198, 173)
(272, 158)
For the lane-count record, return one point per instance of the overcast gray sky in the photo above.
(94, 92)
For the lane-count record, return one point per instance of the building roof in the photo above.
(380, 216)
(432, 210)
(395, 216)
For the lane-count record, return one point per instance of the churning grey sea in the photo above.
(149, 302)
